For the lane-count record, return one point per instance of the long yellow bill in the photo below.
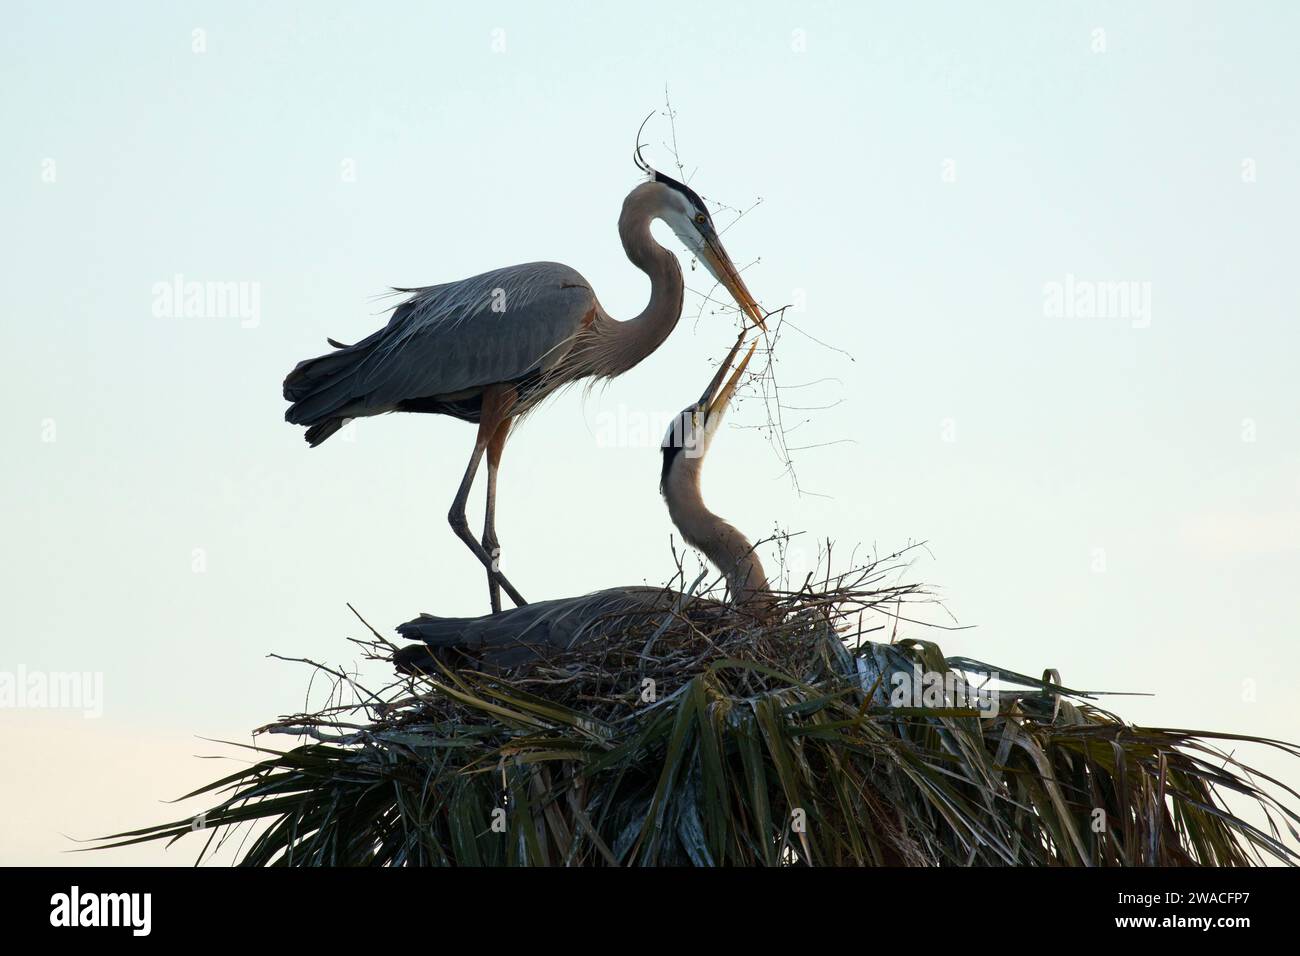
(730, 276)
(720, 400)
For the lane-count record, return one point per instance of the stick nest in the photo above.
(711, 739)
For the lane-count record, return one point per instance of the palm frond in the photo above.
(719, 742)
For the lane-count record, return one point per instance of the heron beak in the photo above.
(725, 271)
(716, 404)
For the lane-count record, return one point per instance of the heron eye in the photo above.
(701, 218)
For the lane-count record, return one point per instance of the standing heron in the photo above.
(490, 348)
(524, 635)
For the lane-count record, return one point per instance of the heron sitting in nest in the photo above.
(533, 632)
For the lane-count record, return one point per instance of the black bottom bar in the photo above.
(213, 905)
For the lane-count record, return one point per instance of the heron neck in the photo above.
(641, 335)
(720, 541)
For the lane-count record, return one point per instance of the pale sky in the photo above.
(1115, 496)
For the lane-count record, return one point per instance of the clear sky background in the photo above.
(1113, 497)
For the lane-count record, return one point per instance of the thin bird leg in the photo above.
(497, 400)
(490, 542)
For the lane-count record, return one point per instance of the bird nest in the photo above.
(814, 736)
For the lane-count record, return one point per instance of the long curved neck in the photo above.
(627, 343)
(721, 543)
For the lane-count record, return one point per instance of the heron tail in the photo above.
(318, 433)
(324, 390)
(415, 659)
(434, 631)
(442, 637)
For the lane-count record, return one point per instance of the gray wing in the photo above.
(494, 327)
(523, 634)
(444, 339)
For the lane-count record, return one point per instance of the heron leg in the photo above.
(490, 542)
(497, 401)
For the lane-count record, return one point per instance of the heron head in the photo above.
(684, 211)
(692, 430)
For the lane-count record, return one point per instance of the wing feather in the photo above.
(447, 339)
(495, 327)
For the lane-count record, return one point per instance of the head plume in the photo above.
(637, 158)
(654, 175)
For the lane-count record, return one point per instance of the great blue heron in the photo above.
(490, 348)
(525, 634)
